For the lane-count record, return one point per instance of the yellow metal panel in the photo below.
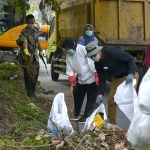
(106, 19)
(147, 20)
(119, 22)
(73, 3)
(123, 21)
(72, 21)
(131, 22)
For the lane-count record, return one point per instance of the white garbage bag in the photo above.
(144, 94)
(89, 120)
(127, 99)
(139, 130)
(59, 115)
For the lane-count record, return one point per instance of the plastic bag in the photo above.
(90, 119)
(98, 121)
(127, 99)
(59, 115)
(144, 94)
(139, 130)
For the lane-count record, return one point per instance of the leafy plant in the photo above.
(53, 4)
(8, 70)
(26, 120)
(23, 5)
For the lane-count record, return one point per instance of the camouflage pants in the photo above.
(31, 72)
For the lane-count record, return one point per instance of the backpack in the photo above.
(19, 42)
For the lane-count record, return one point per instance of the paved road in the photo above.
(62, 85)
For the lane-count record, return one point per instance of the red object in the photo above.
(147, 57)
(72, 80)
(96, 79)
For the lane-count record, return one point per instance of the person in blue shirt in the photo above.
(88, 36)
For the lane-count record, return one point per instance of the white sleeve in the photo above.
(69, 69)
(81, 49)
(91, 65)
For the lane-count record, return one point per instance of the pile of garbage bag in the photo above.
(139, 130)
(97, 133)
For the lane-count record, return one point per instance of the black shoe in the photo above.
(82, 119)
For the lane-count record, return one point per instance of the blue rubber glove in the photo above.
(129, 78)
(99, 100)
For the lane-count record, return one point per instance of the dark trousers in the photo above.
(31, 73)
(79, 93)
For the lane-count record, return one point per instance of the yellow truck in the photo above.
(11, 25)
(117, 23)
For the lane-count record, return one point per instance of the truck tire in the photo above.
(54, 75)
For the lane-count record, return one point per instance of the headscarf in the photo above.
(88, 39)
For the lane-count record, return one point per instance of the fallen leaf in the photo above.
(102, 136)
(38, 137)
(119, 146)
(55, 141)
(60, 145)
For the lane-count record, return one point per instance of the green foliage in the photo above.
(8, 70)
(53, 4)
(25, 118)
(21, 5)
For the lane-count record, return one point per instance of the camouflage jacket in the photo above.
(30, 36)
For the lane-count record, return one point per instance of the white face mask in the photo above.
(96, 58)
(31, 26)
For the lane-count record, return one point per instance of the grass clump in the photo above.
(20, 122)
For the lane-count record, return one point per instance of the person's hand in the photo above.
(26, 52)
(40, 53)
(96, 79)
(129, 78)
(99, 100)
(72, 80)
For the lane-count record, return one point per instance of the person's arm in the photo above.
(69, 69)
(70, 72)
(24, 40)
(102, 82)
(81, 41)
(102, 78)
(25, 44)
(91, 65)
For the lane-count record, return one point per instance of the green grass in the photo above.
(26, 120)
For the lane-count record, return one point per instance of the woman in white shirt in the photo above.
(87, 77)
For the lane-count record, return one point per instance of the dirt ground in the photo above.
(6, 118)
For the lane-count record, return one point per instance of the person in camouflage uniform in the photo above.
(29, 52)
